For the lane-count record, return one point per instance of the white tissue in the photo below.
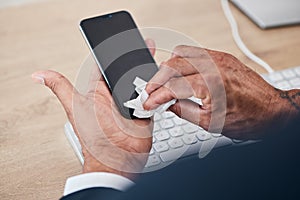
(137, 104)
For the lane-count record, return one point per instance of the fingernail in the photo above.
(145, 105)
(38, 79)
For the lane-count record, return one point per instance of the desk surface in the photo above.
(35, 156)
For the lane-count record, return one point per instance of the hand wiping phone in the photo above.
(137, 104)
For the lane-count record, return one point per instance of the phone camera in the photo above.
(109, 16)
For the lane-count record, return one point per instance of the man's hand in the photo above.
(110, 143)
(236, 100)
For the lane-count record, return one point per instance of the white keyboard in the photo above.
(285, 79)
(175, 138)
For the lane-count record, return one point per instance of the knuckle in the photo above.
(198, 85)
(178, 50)
(152, 86)
(165, 66)
(54, 83)
(173, 66)
(227, 58)
(168, 64)
(170, 84)
(155, 101)
(171, 62)
(170, 88)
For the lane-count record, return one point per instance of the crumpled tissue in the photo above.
(137, 104)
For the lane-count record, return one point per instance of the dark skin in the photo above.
(111, 143)
(229, 91)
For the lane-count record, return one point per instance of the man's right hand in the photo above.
(236, 100)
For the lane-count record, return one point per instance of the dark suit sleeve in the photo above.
(265, 170)
(93, 194)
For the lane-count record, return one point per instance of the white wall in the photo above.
(6, 3)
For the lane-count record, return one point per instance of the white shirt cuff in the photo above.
(96, 179)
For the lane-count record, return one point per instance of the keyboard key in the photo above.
(153, 160)
(189, 139)
(216, 135)
(274, 77)
(223, 141)
(161, 147)
(162, 135)
(176, 131)
(190, 128)
(178, 121)
(283, 85)
(175, 143)
(156, 127)
(237, 141)
(202, 136)
(297, 70)
(166, 123)
(168, 114)
(157, 117)
(208, 145)
(295, 82)
(175, 137)
(288, 74)
(173, 154)
(151, 151)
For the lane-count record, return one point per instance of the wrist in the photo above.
(291, 100)
(286, 107)
(92, 165)
(294, 99)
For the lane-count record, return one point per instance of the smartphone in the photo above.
(121, 54)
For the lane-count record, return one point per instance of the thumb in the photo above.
(59, 85)
(189, 111)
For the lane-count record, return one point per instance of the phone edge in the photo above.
(102, 72)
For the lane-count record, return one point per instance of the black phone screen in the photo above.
(121, 54)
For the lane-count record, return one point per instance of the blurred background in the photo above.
(6, 3)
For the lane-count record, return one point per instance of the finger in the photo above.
(198, 115)
(160, 78)
(174, 67)
(151, 46)
(59, 85)
(190, 51)
(177, 88)
(188, 110)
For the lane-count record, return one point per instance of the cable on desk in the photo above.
(238, 40)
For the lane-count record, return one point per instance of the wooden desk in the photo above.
(35, 156)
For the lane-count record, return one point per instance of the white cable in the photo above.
(238, 40)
